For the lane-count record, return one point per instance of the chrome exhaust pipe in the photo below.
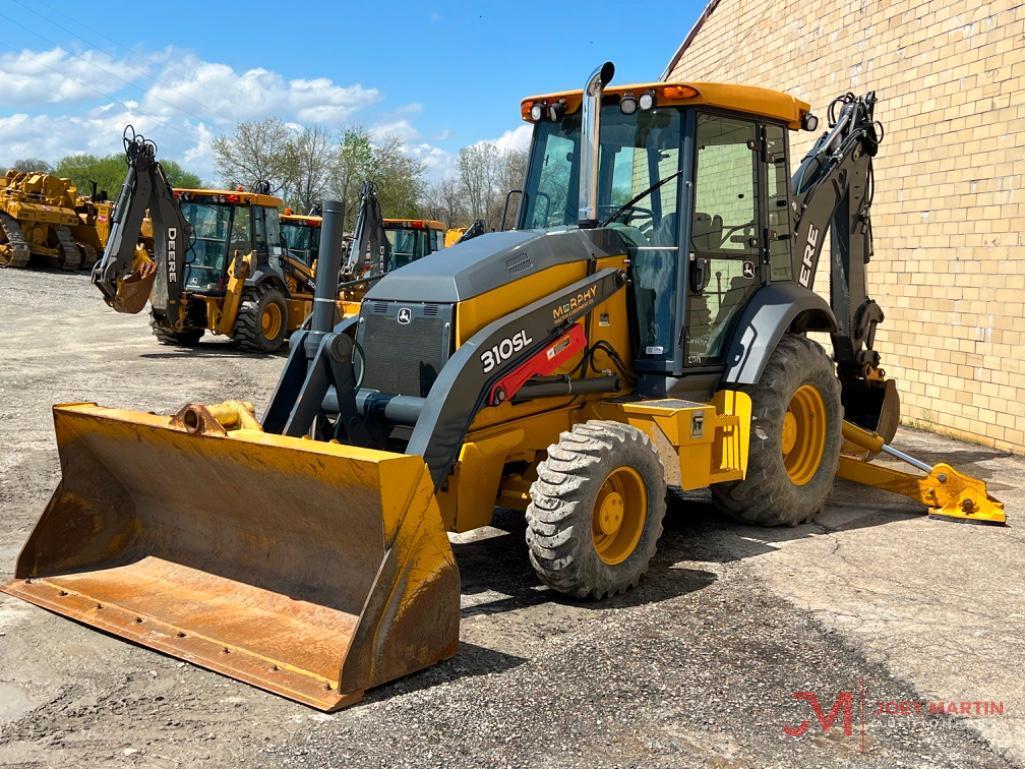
(589, 143)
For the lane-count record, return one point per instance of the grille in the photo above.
(404, 358)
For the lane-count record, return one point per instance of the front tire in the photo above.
(188, 338)
(796, 426)
(596, 510)
(261, 324)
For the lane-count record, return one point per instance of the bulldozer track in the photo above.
(72, 256)
(15, 252)
(89, 255)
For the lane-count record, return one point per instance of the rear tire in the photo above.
(795, 439)
(596, 510)
(261, 324)
(165, 335)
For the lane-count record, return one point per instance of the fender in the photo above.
(772, 311)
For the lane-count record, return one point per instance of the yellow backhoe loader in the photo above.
(646, 324)
(220, 262)
(404, 240)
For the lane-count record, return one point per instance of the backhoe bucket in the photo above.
(873, 405)
(311, 569)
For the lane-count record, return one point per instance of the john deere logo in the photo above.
(405, 316)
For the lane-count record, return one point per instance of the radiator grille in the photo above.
(404, 358)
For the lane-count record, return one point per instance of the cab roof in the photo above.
(749, 99)
(237, 197)
(293, 218)
(414, 224)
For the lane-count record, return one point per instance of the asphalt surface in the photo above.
(873, 604)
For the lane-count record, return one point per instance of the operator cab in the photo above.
(699, 193)
(301, 236)
(223, 224)
(412, 239)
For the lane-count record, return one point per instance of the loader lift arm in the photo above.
(125, 281)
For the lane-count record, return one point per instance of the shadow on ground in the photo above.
(211, 350)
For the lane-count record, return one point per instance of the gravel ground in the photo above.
(697, 667)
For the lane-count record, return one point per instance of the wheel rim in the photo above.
(270, 321)
(803, 434)
(619, 515)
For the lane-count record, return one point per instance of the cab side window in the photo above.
(725, 248)
(778, 186)
(241, 231)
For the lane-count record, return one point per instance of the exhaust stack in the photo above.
(589, 144)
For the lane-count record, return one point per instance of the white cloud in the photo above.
(218, 92)
(56, 76)
(402, 130)
(516, 139)
(184, 102)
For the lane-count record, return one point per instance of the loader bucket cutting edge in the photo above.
(309, 569)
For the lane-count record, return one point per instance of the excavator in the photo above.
(645, 325)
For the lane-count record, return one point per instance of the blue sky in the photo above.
(438, 76)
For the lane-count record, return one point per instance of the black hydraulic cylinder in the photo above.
(550, 388)
(400, 409)
(329, 262)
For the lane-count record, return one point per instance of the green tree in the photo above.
(353, 164)
(255, 151)
(109, 172)
(399, 178)
(31, 164)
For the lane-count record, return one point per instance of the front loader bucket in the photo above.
(311, 569)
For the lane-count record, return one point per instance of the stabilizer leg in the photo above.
(948, 493)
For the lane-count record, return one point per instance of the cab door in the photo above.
(727, 250)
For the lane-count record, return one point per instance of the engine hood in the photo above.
(488, 261)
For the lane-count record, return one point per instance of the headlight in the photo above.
(647, 101)
(628, 105)
(536, 111)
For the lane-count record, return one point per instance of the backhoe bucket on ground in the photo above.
(311, 569)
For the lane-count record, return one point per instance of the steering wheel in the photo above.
(626, 214)
(730, 230)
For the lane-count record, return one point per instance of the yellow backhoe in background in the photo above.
(222, 260)
(646, 324)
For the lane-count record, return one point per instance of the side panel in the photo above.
(770, 313)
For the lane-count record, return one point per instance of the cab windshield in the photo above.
(211, 226)
(301, 241)
(408, 244)
(638, 186)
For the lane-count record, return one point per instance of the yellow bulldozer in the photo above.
(645, 324)
(42, 215)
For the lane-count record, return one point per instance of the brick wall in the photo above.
(949, 209)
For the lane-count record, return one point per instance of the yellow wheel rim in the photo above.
(803, 434)
(270, 321)
(619, 515)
